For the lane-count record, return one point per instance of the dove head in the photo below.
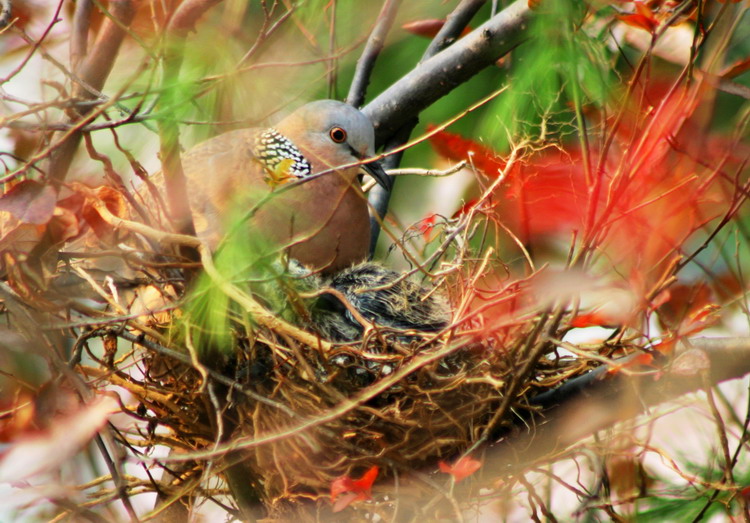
(330, 134)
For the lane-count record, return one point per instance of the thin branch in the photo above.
(374, 46)
(455, 23)
(94, 71)
(379, 197)
(79, 37)
(602, 398)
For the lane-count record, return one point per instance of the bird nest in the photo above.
(284, 396)
(296, 410)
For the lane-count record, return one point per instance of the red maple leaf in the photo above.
(457, 148)
(354, 489)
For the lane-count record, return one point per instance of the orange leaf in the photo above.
(667, 346)
(115, 203)
(354, 489)
(592, 319)
(639, 21)
(64, 225)
(429, 27)
(464, 467)
(701, 319)
(682, 301)
(643, 18)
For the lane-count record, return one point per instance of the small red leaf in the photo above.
(30, 202)
(354, 489)
(592, 319)
(427, 225)
(643, 19)
(700, 319)
(464, 467)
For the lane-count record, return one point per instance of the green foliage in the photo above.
(685, 503)
(565, 68)
(254, 266)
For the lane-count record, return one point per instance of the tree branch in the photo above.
(366, 62)
(94, 71)
(600, 399)
(379, 197)
(454, 24)
(439, 75)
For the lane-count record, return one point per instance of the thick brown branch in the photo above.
(439, 75)
(600, 399)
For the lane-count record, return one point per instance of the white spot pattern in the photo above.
(272, 147)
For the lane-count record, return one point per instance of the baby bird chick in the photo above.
(379, 296)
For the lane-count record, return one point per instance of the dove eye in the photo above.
(337, 134)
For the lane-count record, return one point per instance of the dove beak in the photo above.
(375, 170)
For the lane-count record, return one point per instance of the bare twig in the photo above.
(379, 197)
(374, 46)
(454, 24)
(94, 71)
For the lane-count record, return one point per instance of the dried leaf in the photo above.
(30, 202)
(43, 451)
(21, 239)
(115, 203)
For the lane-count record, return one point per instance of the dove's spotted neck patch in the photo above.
(281, 159)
